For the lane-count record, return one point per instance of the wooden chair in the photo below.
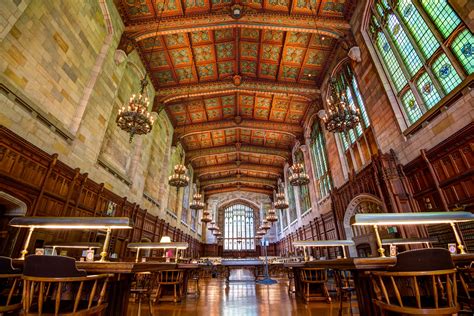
(423, 282)
(53, 286)
(345, 287)
(291, 281)
(167, 279)
(314, 284)
(10, 286)
(142, 288)
(466, 293)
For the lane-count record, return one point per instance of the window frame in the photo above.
(444, 48)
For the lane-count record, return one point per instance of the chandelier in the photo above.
(271, 216)
(266, 225)
(212, 226)
(298, 176)
(206, 217)
(217, 232)
(196, 203)
(260, 232)
(135, 118)
(280, 202)
(342, 117)
(179, 178)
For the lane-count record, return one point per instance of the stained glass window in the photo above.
(239, 228)
(425, 49)
(320, 167)
(291, 201)
(193, 212)
(305, 199)
(185, 207)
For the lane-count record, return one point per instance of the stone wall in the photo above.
(64, 85)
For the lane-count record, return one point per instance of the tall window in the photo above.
(185, 208)
(291, 199)
(239, 228)
(305, 199)
(193, 212)
(318, 151)
(425, 48)
(356, 142)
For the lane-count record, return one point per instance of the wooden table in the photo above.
(250, 264)
(119, 292)
(359, 268)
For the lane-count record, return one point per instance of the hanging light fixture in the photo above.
(341, 117)
(280, 202)
(197, 203)
(266, 225)
(261, 232)
(298, 176)
(206, 217)
(135, 118)
(271, 216)
(179, 178)
(212, 226)
(217, 233)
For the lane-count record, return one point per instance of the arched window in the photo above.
(425, 48)
(239, 228)
(320, 164)
(357, 142)
(305, 199)
(291, 199)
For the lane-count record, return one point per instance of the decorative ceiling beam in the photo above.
(202, 171)
(238, 179)
(304, 91)
(182, 131)
(212, 151)
(241, 188)
(330, 27)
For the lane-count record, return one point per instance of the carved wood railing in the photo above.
(51, 188)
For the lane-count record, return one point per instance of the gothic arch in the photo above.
(353, 208)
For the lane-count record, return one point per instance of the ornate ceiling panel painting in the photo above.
(237, 88)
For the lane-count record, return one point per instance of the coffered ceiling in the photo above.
(236, 78)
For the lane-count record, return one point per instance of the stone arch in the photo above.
(13, 206)
(10, 206)
(353, 208)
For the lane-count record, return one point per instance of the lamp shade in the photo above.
(322, 243)
(165, 239)
(411, 218)
(72, 222)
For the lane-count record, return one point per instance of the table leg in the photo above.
(227, 275)
(365, 293)
(119, 295)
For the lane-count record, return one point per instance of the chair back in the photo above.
(416, 292)
(428, 259)
(6, 266)
(170, 277)
(313, 275)
(51, 267)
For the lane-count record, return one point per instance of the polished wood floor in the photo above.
(243, 297)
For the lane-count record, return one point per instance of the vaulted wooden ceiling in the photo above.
(236, 88)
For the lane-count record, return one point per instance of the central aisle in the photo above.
(244, 298)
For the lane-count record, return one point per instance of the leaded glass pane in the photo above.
(411, 107)
(291, 203)
(427, 90)
(446, 74)
(463, 48)
(363, 112)
(418, 28)
(391, 62)
(442, 15)
(403, 44)
(239, 226)
(352, 136)
(318, 151)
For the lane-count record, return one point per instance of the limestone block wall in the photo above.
(59, 59)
